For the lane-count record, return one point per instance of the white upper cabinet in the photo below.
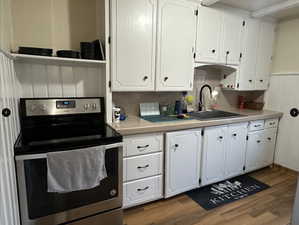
(176, 45)
(219, 36)
(133, 45)
(139, 62)
(249, 50)
(232, 31)
(183, 159)
(264, 55)
(208, 35)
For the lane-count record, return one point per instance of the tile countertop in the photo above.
(135, 125)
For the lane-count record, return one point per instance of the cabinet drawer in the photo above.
(142, 191)
(142, 166)
(271, 123)
(256, 125)
(143, 144)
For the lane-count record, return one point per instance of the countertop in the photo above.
(135, 125)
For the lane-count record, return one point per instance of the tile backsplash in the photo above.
(129, 101)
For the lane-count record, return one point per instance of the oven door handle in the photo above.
(44, 155)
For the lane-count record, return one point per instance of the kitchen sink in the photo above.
(214, 114)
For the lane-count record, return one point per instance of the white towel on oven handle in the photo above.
(76, 170)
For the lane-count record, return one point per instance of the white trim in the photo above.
(209, 2)
(285, 74)
(7, 54)
(268, 11)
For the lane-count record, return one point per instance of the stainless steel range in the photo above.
(59, 125)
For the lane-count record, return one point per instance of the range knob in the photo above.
(86, 107)
(94, 106)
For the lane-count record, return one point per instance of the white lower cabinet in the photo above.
(224, 150)
(183, 160)
(142, 191)
(236, 150)
(260, 149)
(142, 169)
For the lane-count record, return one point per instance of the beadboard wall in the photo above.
(9, 130)
(51, 80)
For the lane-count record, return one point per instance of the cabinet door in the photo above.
(254, 152)
(247, 74)
(133, 45)
(232, 30)
(264, 55)
(236, 150)
(208, 35)
(214, 146)
(269, 145)
(176, 45)
(183, 157)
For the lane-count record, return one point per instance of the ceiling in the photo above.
(253, 5)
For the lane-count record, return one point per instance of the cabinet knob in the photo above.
(250, 80)
(261, 80)
(258, 141)
(145, 78)
(6, 112)
(176, 145)
(220, 137)
(165, 78)
(213, 51)
(227, 52)
(235, 135)
(269, 138)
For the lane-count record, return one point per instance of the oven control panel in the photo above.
(45, 107)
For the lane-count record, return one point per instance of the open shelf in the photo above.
(53, 59)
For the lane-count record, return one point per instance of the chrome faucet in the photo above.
(201, 106)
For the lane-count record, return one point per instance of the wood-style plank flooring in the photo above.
(270, 207)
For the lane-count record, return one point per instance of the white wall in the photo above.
(283, 93)
(286, 52)
(5, 25)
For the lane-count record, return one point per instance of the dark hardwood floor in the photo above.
(270, 207)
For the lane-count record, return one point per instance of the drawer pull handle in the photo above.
(143, 189)
(257, 125)
(258, 141)
(145, 146)
(143, 167)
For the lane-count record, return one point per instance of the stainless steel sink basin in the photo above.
(215, 114)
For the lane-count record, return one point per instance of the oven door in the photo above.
(39, 207)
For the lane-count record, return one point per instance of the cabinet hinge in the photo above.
(199, 181)
(244, 168)
(241, 55)
(202, 132)
(247, 137)
(196, 12)
(194, 55)
(109, 40)
(109, 84)
(244, 23)
(238, 85)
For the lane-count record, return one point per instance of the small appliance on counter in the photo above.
(35, 51)
(67, 126)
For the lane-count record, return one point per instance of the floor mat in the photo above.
(228, 191)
